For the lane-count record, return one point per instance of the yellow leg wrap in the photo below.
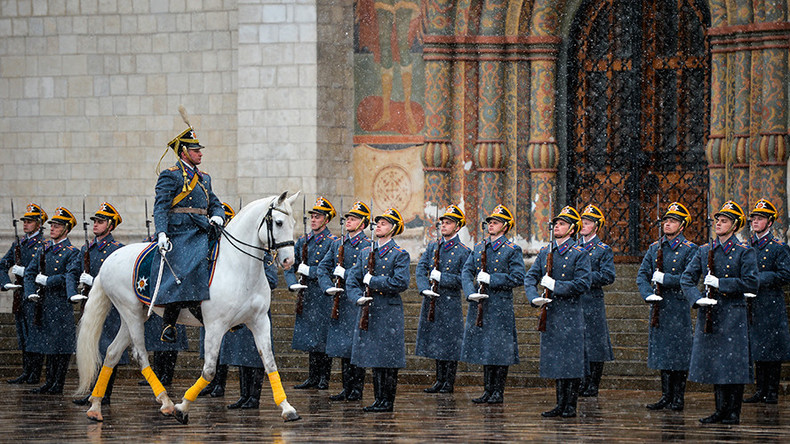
(277, 387)
(153, 381)
(192, 394)
(101, 382)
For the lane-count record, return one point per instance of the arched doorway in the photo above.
(638, 96)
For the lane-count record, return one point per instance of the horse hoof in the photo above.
(168, 411)
(95, 416)
(181, 417)
(291, 416)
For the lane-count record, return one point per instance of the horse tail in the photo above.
(88, 359)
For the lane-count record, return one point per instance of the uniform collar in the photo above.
(31, 240)
(673, 244)
(496, 244)
(319, 236)
(101, 243)
(447, 244)
(384, 249)
(591, 243)
(726, 246)
(561, 249)
(50, 248)
(354, 241)
(762, 241)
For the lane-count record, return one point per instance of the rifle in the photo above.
(654, 314)
(147, 221)
(38, 312)
(18, 280)
(341, 256)
(749, 300)
(371, 268)
(710, 292)
(483, 288)
(544, 313)
(434, 284)
(303, 257)
(86, 258)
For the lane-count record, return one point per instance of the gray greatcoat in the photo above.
(769, 336)
(24, 317)
(597, 344)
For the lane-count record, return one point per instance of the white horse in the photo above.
(239, 294)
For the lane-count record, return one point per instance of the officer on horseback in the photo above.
(185, 208)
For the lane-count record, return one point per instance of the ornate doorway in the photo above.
(638, 95)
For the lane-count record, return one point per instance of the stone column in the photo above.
(715, 150)
(488, 149)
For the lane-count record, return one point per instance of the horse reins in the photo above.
(271, 243)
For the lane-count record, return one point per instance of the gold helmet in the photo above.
(593, 213)
(34, 212)
(360, 210)
(571, 216)
(229, 213)
(764, 207)
(64, 216)
(108, 212)
(455, 214)
(502, 214)
(678, 211)
(734, 212)
(392, 216)
(187, 139)
(323, 206)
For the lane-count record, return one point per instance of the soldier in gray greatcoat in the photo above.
(562, 342)
(720, 354)
(23, 315)
(492, 342)
(441, 338)
(669, 337)
(332, 276)
(311, 324)
(381, 345)
(769, 336)
(54, 334)
(105, 220)
(597, 344)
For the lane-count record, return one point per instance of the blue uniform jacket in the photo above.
(57, 332)
(29, 246)
(722, 356)
(442, 338)
(99, 251)
(310, 327)
(340, 331)
(383, 344)
(562, 344)
(496, 342)
(769, 336)
(597, 344)
(669, 344)
(189, 234)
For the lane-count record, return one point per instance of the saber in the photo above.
(162, 260)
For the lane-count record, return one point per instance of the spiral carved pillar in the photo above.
(489, 160)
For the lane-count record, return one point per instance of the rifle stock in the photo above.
(39, 306)
(339, 283)
(544, 314)
(710, 292)
(434, 284)
(654, 313)
(483, 288)
(371, 268)
(18, 280)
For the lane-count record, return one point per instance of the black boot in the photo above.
(677, 382)
(439, 378)
(378, 390)
(36, 362)
(347, 378)
(593, 380)
(450, 367)
(50, 376)
(560, 393)
(499, 380)
(732, 415)
(21, 379)
(312, 372)
(759, 382)
(571, 398)
(220, 378)
(665, 395)
(719, 393)
(256, 383)
(169, 319)
(388, 387)
(165, 366)
(358, 382)
(487, 383)
(773, 374)
(324, 371)
(244, 387)
(61, 369)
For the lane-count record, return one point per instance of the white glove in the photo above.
(429, 293)
(483, 278)
(436, 275)
(11, 286)
(331, 291)
(541, 301)
(712, 281)
(86, 279)
(18, 270)
(77, 297)
(366, 279)
(706, 302)
(477, 297)
(363, 300)
(297, 287)
(217, 220)
(41, 279)
(547, 282)
(33, 297)
(749, 295)
(654, 298)
(162, 241)
(304, 270)
(658, 277)
(339, 272)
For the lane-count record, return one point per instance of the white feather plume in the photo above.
(183, 112)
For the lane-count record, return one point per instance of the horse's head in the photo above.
(277, 229)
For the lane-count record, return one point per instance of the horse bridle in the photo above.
(272, 246)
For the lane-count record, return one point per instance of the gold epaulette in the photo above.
(173, 168)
